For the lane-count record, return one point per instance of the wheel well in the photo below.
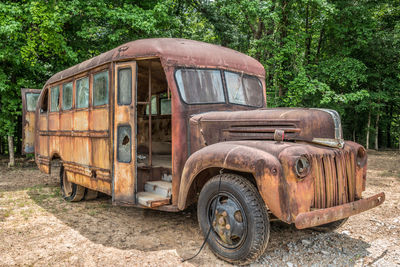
(55, 162)
(201, 179)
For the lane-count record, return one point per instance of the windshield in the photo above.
(199, 86)
(243, 89)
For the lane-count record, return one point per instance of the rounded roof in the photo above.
(172, 52)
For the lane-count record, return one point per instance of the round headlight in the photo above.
(302, 166)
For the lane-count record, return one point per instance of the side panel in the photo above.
(124, 140)
(29, 100)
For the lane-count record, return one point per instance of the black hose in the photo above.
(212, 219)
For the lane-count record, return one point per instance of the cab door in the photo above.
(29, 100)
(124, 174)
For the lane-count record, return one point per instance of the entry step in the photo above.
(152, 200)
(162, 188)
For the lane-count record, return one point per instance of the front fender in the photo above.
(265, 168)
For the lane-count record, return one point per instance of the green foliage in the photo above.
(339, 54)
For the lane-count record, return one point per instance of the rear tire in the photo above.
(70, 191)
(240, 224)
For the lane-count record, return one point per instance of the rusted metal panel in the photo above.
(323, 216)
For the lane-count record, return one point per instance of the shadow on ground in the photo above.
(149, 230)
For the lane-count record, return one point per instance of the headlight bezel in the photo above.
(302, 167)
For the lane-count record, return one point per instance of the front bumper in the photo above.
(323, 216)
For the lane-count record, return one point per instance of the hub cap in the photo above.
(229, 223)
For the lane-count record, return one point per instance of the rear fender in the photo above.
(265, 168)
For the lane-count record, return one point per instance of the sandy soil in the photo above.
(38, 228)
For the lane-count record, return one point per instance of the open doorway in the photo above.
(154, 138)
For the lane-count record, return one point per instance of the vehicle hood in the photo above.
(298, 124)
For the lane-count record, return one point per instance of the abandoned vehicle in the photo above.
(166, 123)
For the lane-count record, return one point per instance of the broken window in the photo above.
(124, 144)
(82, 93)
(198, 86)
(100, 88)
(67, 96)
(55, 99)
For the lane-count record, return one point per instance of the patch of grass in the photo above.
(92, 212)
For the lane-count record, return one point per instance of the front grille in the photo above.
(334, 179)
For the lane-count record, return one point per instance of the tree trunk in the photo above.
(354, 135)
(308, 35)
(388, 127)
(11, 151)
(377, 130)
(368, 127)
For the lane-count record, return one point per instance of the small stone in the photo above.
(289, 264)
(346, 232)
(324, 252)
(306, 242)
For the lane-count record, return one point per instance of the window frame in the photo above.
(244, 75)
(62, 96)
(26, 100)
(91, 104)
(76, 79)
(51, 97)
(201, 103)
(118, 86)
(119, 126)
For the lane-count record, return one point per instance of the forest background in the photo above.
(342, 54)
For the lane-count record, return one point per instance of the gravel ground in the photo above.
(38, 228)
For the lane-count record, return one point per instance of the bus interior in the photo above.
(154, 152)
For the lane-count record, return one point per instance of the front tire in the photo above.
(70, 191)
(240, 224)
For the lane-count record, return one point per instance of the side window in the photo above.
(124, 143)
(124, 86)
(100, 88)
(82, 93)
(165, 106)
(67, 96)
(55, 99)
(153, 106)
(31, 100)
(45, 102)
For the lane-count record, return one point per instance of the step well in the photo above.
(156, 193)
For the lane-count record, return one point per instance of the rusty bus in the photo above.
(165, 123)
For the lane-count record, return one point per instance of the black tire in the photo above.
(245, 212)
(330, 227)
(70, 191)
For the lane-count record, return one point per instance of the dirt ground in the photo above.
(38, 228)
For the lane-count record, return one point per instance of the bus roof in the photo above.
(172, 52)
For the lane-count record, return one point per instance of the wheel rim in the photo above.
(67, 185)
(228, 220)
